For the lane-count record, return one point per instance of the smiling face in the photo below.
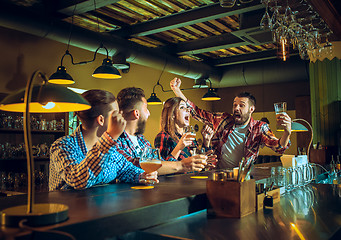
(182, 115)
(242, 110)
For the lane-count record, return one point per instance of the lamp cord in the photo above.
(33, 230)
(71, 27)
(67, 53)
(158, 81)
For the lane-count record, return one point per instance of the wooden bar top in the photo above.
(104, 212)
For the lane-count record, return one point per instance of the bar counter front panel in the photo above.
(177, 208)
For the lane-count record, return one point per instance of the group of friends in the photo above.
(108, 143)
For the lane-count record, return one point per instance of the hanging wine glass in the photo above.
(287, 15)
(275, 18)
(265, 22)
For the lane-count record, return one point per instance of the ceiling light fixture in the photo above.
(105, 71)
(45, 98)
(211, 94)
(153, 99)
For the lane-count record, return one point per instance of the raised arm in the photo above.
(175, 86)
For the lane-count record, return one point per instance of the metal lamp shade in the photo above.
(211, 95)
(48, 98)
(295, 127)
(61, 77)
(106, 71)
(154, 100)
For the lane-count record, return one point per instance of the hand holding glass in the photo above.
(190, 129)
(150, 161)
(280, 108)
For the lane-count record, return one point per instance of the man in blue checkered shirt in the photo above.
(133, 104)
(88, 156)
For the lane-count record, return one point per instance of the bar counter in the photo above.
(177, 208)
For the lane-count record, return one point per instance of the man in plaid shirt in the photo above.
(238, 135)
(131, 143)
(87, 157)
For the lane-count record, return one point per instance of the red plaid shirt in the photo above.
(222, 123)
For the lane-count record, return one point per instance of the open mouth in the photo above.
(187, 118)
(237, 116)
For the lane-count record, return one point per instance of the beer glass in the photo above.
(150, 160)
(280, 108)
(190, 129)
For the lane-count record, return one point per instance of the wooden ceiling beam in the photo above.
(222, 41)
(83, 6)
(181, 19)
(245, 58)
(208, 44)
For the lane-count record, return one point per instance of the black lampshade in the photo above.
(106, 70)
(61, 77)
(211, 95)
(154, 100)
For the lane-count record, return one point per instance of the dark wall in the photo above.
(266, 95)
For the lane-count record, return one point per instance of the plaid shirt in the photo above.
(126, 147)
(166, 144)
(258, 133)
(72, 166)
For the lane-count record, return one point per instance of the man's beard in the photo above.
(243, 118)
(141, 126)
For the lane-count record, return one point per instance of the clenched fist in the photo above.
(116, 124)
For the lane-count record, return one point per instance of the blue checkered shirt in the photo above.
(126, 147)
(72, 166)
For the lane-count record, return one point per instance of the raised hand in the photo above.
(116, 124)
(175, 86)
(175, 83)
(284, 120)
